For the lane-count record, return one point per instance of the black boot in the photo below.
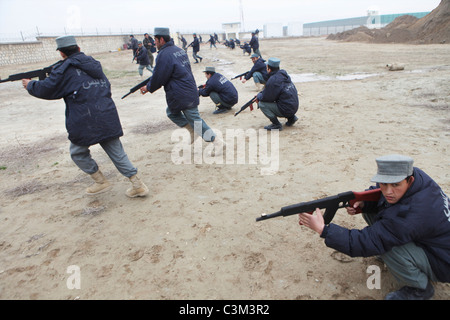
(276, 125)
(220, 109)
(410, 293)
(291, 121)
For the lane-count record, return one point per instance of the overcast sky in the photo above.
(184, 15)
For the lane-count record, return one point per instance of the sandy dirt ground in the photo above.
(195, 235)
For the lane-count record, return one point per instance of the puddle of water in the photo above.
(308, 77)
(357, 76)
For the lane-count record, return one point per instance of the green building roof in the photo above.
(384, 20)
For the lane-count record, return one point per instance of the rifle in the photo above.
(135, 55)
(240, 75)
(330, 204)
(137, 87)
(41, 74)
(245, 106)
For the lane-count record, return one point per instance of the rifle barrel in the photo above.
(126, 95)
(245, 106)
(268, 216)
(137, 87)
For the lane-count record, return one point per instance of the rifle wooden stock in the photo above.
(330, 204)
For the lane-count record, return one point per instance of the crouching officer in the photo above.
(221, 91)
(279, 99)
(409, 228)
(258, 72)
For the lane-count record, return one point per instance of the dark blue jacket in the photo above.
(149, 44)
(246, 47)
(91, 115)
(134, 43)
(280, 89)
(226, 90)
(142, 56)
(195, 45)
(421, 216)
(212, 40)
(258, 66)
(254, 43)
(173, 72)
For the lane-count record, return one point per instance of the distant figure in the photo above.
(195, 48)
(246, 48)
(212, 42)
(149, 44)
(133, 45)
(142, 59)
(183, 42)
(254, 44)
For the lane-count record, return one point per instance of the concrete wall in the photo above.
(44, 49)
(21, 52)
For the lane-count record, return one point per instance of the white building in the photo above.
(273, 30)
(231, 30)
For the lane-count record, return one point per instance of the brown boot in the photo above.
(259, 86)
(138, 189)
(219, 147)
(101, 184)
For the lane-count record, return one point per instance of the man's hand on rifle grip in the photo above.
(356, 208)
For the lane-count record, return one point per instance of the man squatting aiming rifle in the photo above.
(409, 228)
(278, 99)
(409, 225)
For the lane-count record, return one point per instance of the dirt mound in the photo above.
(402, 22)
(433, 28)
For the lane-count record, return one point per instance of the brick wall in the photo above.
(44, 49)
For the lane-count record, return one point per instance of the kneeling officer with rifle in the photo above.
(409, 228)
(279, 99)
(221, 91)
